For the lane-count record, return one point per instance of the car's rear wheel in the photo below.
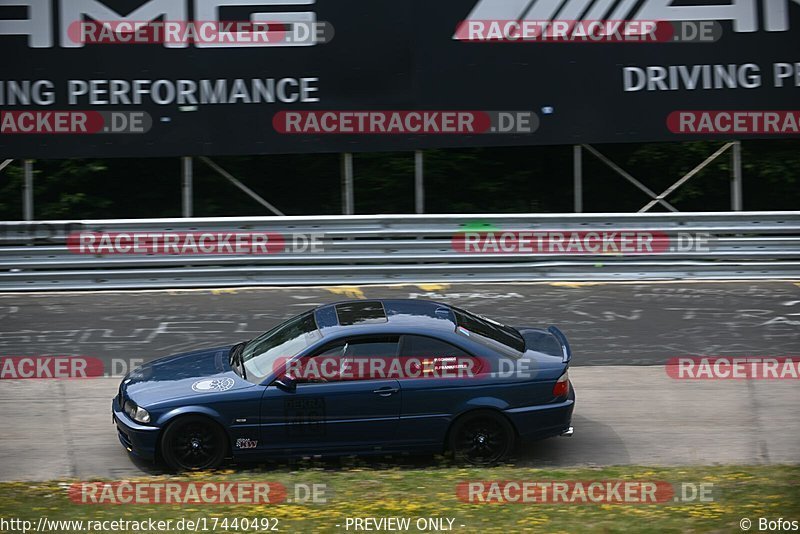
(481, 438)
(193, 443)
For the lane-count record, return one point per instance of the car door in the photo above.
(335, 414)
(429, 403)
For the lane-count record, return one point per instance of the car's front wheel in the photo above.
(193, 443)
(481, 438)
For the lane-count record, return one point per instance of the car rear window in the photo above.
(500, 333)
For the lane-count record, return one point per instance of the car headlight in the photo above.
(136, 413)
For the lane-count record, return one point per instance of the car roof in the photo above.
(383, 315)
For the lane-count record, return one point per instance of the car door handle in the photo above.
(386, 391)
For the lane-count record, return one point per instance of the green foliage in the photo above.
(479, 180)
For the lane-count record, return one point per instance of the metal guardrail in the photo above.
(399, 249)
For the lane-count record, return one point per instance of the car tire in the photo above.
(482, 437)
(193, 443)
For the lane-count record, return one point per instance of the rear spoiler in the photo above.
(562, 340)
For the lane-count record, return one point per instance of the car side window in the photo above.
(311, 368)
(428, 347)
(443, 356)
(337, 351)
(376, 347)
(336, 357)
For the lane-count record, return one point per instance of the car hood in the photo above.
(182, 375)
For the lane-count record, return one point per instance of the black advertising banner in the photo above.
(133, 78)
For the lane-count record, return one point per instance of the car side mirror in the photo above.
(287, 383)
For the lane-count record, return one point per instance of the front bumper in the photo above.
(139, 440)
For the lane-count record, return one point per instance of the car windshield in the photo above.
(490, 330)
(283, 341)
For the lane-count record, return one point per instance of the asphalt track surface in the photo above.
(608, 324)
(628, 410)
(624, 415)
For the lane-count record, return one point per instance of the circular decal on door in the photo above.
(213, 384)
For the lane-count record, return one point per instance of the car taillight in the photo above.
(561, 389)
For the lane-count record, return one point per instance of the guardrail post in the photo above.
(736, 176)
(347, 184)
(187, 185)
(27, 190)
(577, 163)
(419, 182)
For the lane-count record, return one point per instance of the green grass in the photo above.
(358, 491)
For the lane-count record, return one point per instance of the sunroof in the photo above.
(360, 313)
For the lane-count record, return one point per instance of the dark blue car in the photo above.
(458, 382)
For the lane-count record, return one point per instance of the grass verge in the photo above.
(356, 492)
